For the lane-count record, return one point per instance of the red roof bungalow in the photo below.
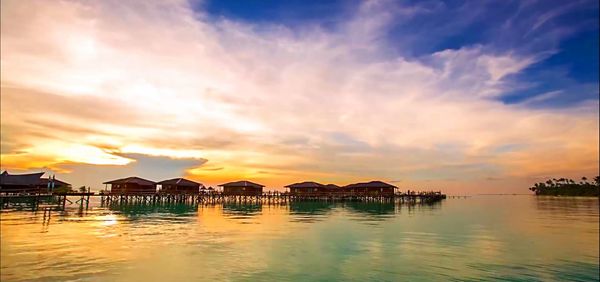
(242, 188)
(180, 186)
(373, 188)
(310, 187)
(132, 185)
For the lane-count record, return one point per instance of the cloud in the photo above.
(542, 97)
(158, 79)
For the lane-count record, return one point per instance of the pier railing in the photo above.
(152, 197)
(269, 196)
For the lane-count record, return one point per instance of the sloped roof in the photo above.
(371, 184)
(242, 183)
(57, 182)
(29, 179)
(305, 184)
(131, 180)
(179, 182)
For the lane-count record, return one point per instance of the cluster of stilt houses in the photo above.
(136, 186)
(181, 190)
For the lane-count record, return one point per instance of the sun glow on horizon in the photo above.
(93, 90)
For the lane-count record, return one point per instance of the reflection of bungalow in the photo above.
(310, 207)
(242, 188)
(31, 182)
(132, 185)
(180, 186)
(373, 188)
(242, 209)
(373, 208)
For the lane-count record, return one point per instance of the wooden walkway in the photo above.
(269, 197)
(35, 199)
(60, 199)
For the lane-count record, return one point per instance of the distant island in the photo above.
(568, 187)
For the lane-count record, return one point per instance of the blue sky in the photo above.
(563, 35)
(449, 94)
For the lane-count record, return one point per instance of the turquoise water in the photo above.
(505, 238)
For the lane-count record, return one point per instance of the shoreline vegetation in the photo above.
(567, 187)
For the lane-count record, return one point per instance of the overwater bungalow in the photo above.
(132, 185)
(305, 187)
(180, 186)
(312, 188)
(373, 188)
(20, 182)
(334, 188)
(242, 188)
(58, 184)
(29, 183)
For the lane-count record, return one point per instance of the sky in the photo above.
(466, 97)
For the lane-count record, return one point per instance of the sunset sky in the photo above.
(466, 97)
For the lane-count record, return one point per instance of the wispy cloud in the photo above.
(101, 83)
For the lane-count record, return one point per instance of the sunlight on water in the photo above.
(483, 237)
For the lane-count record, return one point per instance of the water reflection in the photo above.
(480, 238)
(566, 205)
(136, 210)
(374, 209)
(309, 211)
(241, 211)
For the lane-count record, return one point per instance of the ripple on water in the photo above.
(480, 238)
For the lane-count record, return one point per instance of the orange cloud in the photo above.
(267, 104)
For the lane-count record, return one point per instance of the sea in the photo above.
(475, 238)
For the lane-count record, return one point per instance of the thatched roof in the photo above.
(180, 182)
(29, 179)
(372, 184)
(131, 180)
(242, 183)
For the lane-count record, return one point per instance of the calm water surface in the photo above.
(514, 238)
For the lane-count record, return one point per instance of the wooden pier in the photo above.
(83, 199)
(35, 199)
(268, 197)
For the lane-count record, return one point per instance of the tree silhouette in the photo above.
(567, 187)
